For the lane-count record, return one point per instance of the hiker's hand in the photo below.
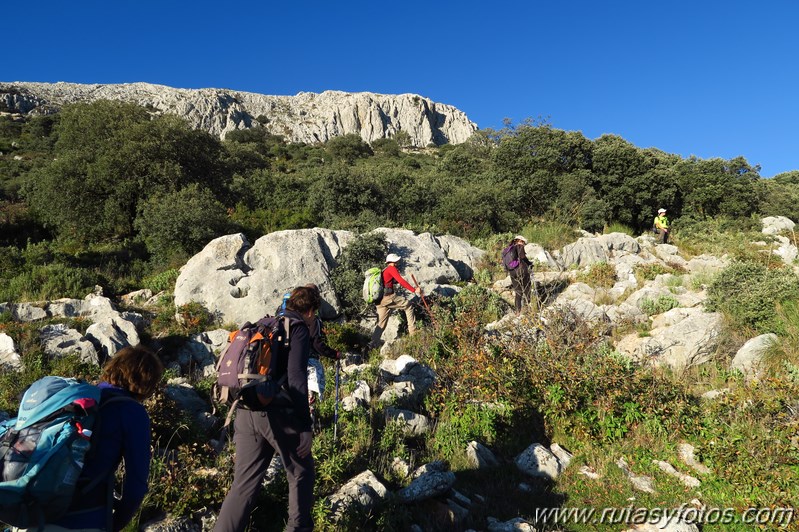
(304, 449)
(418, 291)
(338, 355)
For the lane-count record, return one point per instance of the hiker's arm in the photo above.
(318, 341)
(298, 376)
(397, 277)
(136, 453)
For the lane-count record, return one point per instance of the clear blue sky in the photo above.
(703, 77)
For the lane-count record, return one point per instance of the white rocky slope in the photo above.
(306, 117)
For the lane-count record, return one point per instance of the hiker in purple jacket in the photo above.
(122, 432)
(283, 427)
(518, 266)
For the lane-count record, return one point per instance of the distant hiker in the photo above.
(392, 300)
(283, 426)
(661, 224)
(122, 432)
(515, 261)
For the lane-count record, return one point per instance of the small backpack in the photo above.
(373, 285)
(43, 449)
(510, 258)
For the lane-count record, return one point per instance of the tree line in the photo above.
(112, 179)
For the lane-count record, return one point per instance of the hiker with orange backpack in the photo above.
(392, 300)
(283, 426)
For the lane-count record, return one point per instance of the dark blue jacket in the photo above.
(121, 432)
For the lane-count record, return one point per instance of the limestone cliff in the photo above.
(306, 117)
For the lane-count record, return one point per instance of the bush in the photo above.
(600, 274)
(178, 224)
(164, 281)
(748, 293)
(52, 281)
(364, 252)
(660, 305)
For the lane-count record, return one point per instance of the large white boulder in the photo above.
(679, 338)
(749, 357)
(9, 357)
(773, 225)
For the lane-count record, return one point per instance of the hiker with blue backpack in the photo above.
(106, 424)
(392, 300)
(518, 266)
(282, 424)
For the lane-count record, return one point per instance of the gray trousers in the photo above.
(384, 308)
(257, 436)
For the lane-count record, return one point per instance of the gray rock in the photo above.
(773, 225)
(413, 424)
(27, 312)
(187, 398)
(172, 524)
(462, 255)
(584, 252)
(538, 461)
(9, 357)
(479, 456)
(620, 242)
(679, 338)
(363, 491)
(360, 397)
(137, 297)
(112, 333)
(516, 524)
(686, 480)
(686, 454)
(426, 486)
(639, 482)
(750, 356)
(58, 341)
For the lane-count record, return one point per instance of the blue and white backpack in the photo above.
(43, 449)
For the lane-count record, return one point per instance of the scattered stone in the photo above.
(639, 482)
(687, 480)
(9, 357)
(58, 340)
(686, 453)
(360, 397)
(714, 394)
(479, 456)
(138, 296)
(538, 461)
(589, 472)
(400, 467)
(426, 486)
(513, 525)
(413, 424)
(363, 491)
(750, 356)
(564, 457)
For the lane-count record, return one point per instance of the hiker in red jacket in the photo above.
(392, 300)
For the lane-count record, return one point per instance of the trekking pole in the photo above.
(335, 411)
(426, 306)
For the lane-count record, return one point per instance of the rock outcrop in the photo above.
(307, 117)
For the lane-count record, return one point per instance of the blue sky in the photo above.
(705, 78)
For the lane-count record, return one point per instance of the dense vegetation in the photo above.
(108, 194)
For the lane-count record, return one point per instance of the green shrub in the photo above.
(599, 274)
(364, 252)
(175, 225)
(748, 293)
(459, 424)
(52, 281)
(550, 235)
(618, 227)
(660, 305)
(648, 272)
(160, 282)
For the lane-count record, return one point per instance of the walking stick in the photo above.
(335, 414)
(426, 306)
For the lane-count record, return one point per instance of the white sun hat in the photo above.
(393, 257)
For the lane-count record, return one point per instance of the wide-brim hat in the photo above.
(661, 210)
(520, 237)
(393, 257)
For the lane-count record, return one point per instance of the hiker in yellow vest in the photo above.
(662, 226)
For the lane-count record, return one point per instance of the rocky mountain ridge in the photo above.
(307, 117)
